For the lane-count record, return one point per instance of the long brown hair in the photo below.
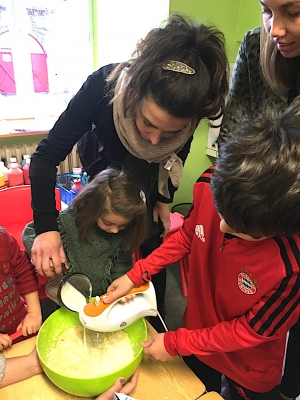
(112, 191)
(277, 70)
(201, 95)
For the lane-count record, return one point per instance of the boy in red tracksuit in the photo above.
(241, 235)
(17, 278)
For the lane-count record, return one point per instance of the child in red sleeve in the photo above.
(17, 278)
(242, 238)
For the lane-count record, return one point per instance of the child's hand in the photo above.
(31, 323)
(119, 288)
(119, 387)
(155, 348)
(5, 341)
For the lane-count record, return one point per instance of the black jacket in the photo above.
(88, 121)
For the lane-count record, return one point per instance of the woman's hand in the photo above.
(119, 288)
(119, 388)
(47, 254)
(155, 348)
(5, 341)
(161, 212)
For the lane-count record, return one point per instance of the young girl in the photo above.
(17, 278)
(104, 225)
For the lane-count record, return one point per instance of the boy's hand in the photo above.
(5, 341)
(119, 288)
(155, 348)
(31, 323)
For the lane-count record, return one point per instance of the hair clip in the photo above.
(178, 66)
(143, 196)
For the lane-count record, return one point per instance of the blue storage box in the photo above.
(64, 183)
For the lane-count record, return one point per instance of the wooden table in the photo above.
(171, 380)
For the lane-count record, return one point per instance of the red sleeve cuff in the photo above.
(169, 340)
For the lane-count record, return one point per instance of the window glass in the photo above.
(46, 49)
(45, 55)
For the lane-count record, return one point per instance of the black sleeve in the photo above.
(82, 111)
(246, 85)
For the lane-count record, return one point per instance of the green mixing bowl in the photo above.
(58, 322)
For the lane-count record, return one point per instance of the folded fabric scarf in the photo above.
(162, 152)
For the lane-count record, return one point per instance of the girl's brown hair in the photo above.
(201, 47)
(112, 191)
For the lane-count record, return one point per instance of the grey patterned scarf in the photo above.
(162, 153)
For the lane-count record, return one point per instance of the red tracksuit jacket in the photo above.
(17, 277)
(243, 296)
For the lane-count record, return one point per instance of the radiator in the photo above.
(72, 160)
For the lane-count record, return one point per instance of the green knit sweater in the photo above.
(100, 257)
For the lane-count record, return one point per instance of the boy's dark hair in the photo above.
(112, 191)
(201, 47)
(256, 184)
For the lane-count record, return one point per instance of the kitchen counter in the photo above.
(171, 380)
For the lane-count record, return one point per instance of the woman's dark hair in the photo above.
(201, 47)
(256, 184)
(112, 191)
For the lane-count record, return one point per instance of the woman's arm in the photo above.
(242, 83)
(82, 111)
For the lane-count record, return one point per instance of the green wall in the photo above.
(233, 18)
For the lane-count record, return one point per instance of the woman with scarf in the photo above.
(140, 115)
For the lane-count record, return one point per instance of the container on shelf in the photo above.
(15, 175)
(70, 184)
(13, 160)
(26, 171)
(64, 183)
(84, 179)
(77, 186)
(2, 181)
(25, 157)
(4, 171)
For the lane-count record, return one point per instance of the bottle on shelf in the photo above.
(26, 171)
(77, 185)
(2, 181)
(13, 160)
(84, 179)
(25, 157)
(15, 175)
(4, 171)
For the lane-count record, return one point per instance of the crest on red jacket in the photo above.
(246, 284)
